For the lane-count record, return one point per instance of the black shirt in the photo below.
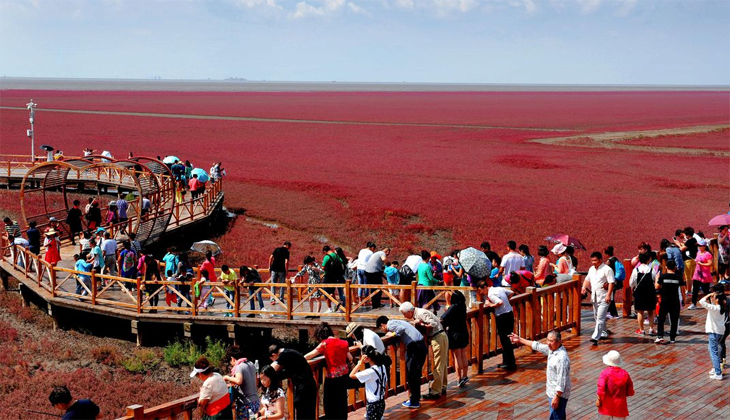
(691, 252)
(34, 239)
(281, 255)
(295, 367)
(81, 410)
(670, 282)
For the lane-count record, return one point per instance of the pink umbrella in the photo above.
(723, 219)
(566, 240)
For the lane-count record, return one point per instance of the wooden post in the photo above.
(93, 287)
(237, 301)
(714, 250)
(135, 411)
(480, 338)
(414, 286)
(139, 295)
(348, 301)
(52, 274)
(195, 297)
(627, 290)
(576, 308)
(534, 313)
(289, 303)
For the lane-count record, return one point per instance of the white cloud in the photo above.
(255, 4)
(405, 4)
(589, 6)
(529, 5)
(354, 8)
(326, 8)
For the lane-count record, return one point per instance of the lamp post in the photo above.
(31, 133)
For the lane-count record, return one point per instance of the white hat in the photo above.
(702, 242)
(197, 371)
(612, 358)
(558, 249)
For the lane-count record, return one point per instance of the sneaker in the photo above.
(465, 380)
(692, 306)
(609, 316)
(639, 332)
(328, 311)
(717, 377)
(604, 334)
(652, 331)
(671, 341)
(430, 396)
(659, 340)
(408, 404)
(646, 322)
(712, 371)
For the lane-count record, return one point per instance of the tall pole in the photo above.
(31, 133)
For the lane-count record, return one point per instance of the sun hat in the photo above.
(702, 242)
(612, 358)
(558, 249)
(351, 327)
(436, 255)
(51, 232)
(197, 371)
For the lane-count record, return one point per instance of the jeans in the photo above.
(79, 289)
(377, 279)
(600, 309)
(559, 413)
(252, 302)
(714, 347)
(185, 292)
(416, 353)
(230, 294)
(278, 277)
(361, 280)
(696, 286)
(671, 309)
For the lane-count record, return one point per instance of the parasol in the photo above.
(475, 263)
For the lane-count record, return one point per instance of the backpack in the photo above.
(334, 268)
(619, 273)
(406, 274)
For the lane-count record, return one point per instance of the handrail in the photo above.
(530, 309)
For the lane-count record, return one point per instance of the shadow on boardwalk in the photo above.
(671, 381)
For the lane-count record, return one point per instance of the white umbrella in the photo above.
(413, 262)
(205, 246)
(170, 160)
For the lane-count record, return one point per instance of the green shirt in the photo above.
(232, 277)
(425, 275)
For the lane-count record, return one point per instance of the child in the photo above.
(170, 296)
(494, 276)
(229, 279)
(273, 398)
(717, 310)
(392, 275)
(314, 274)
(375, 379)
(201, 291)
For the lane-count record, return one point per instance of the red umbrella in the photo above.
(721, 220)
(566, 240)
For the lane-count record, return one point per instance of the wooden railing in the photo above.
(537, 312)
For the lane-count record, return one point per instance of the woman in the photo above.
(314, 276)
(702, 277)
(242, 383)
(112, 214)
(456, 273)
(454, 321)
(336, 354)
(528, 259)
(642, 281)
(208, 266)
(214, 401)
(149, 270)
(426, 278)
(564, 267)
(543, 265)
(614, 386)
(93, 216)
(273, 398)
(181, 273)
(717, 309)
(375, 379)
(53, 247)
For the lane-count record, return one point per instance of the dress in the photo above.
(644, 293)
(454, 320)
(53, 253)
(268, 401)
(314, 274)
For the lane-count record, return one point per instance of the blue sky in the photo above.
(439, 41)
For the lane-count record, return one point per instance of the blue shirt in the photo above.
(405, 331)
(82, 265)
(392, 274)
(674, 254)
(495, 278)
(170, 261)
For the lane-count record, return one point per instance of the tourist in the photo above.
(392, 276)
(109, 250)
(717, 313)
(148, 270)
(407, 274)
(112, 214)
(273, 397)
(458, 275)
(687, 243)
(457, 331)
(702, 276)
(601, 280)
(194, 185)
(557, 385)
(242, 380)
(498, 299)
(487, 250)
(146, 206)
(723, 251)
(291, 364)
(214, 402)
(82, 279)
(95, 257)
(52, 243)
(570, 251)
(669, 286)
(61, 399)
(93, 215)
(362, 258)
(564, 266)
(136, 246)
(122, 207)
(425, 320)
(543, 265)
(642, 282)
(614, 386)
(519, 281)
(279, 267)
(619, 275)
(375, 380)
(347, 274)
(336, 354)
(527, 259)
(511, 261)
(333, 269)
(249, 276)
(170, 296)
(184, 275)
(426, 278)
(215, 172)
(208, 266)
(188, 170)
(314, 277)
(84, 244)
(73, 220)
(416, 352)
(12, 229)
(171, 259)
(375, 273)
(230, 282)
(722, 343)
(364, 337)
(34, 237)
(128, 261)
(494, 275)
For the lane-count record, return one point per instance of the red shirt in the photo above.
(335, 354)
(209, 268)
(614, 385)
(526, 280)
(194, 184)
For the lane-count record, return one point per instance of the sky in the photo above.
(662, 42)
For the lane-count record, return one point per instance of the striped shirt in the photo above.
(12, 229)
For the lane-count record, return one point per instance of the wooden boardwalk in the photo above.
(671, 381)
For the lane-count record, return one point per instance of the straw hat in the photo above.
(51, 232)
(351, 327)
(612, 358)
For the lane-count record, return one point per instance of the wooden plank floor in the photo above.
(671, 381)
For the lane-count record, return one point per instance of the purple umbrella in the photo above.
(721, 220)
(566, 240)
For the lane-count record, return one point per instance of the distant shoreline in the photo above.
(30, 83)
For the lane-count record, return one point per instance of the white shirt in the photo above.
(715, 322)
(598, 277)
(109, 246)
(497, 295)
(513, 261)
(370, 338)
(375, 379)
(413, 261)
(558, 370)
(363, 257)
(213, 389)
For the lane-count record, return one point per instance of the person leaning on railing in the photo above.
(416, 352)
(214, 401)
(336, 354)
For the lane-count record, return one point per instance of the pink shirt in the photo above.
(614, 385)
(703, 274)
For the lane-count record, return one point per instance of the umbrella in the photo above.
(413, 262)
(202, 175)
(205, 246)
(170, 160)
(475, 263)
(566, 240)
(721, 220)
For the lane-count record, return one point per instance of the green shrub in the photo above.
(215, 351)
(142, 361)
(181, 353)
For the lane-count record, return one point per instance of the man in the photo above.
(416, 352)
(292, 364)
(96, 256)
(134, 243)
(362, 258)
(557, 384)
(34, 237)
(687, 243)
(601, 280)
(109, 250)
(194, 185)
(375, 273)
(364, 337)
(60, 398)
(425, 319)
(122, 207)
(334, 272)
(73, 220)
(498, 299)
(279, 266)
(512, 260)
(146, 205)
(12, 230)
(487, 250)
(668, 286)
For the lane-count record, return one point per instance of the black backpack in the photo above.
(335, 268)
(406, 274)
